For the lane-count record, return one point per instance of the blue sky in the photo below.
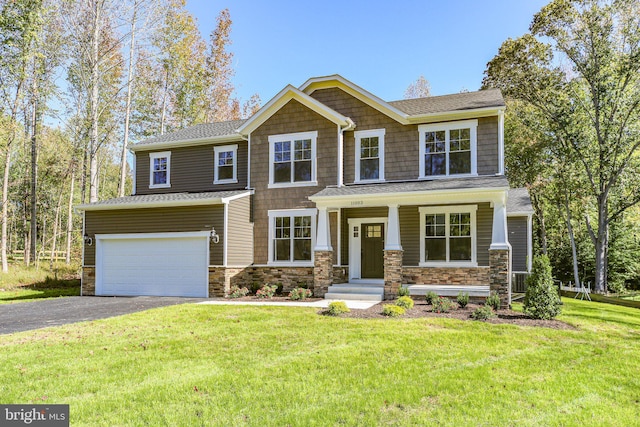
(382, 46)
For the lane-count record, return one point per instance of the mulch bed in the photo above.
(422, 309)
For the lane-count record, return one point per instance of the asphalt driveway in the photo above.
(25, 316)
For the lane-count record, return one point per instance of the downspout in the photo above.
(226, 233)
(134, 169)
(350, 126)
(501, 142)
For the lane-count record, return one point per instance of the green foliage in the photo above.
(493, 301)
(300, 294)
(483, 313)
(403, 291)
(392, 310)
(279, 288)
(441, 305)
(237, 292)
(337, 308)
(541, 300)
(267, 291)
(405, 302)
(255, 287)
(463, 299)
(430, 296)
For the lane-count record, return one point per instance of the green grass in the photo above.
(23, 283)
(261, 366)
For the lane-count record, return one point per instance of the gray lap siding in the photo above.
(518, 239)
(156, 220)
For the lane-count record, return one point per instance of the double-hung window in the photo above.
(292, 236)
(448, 149)
(160, 169)
(369, 155)
(448, 235)
(292, 159)
(225, 161)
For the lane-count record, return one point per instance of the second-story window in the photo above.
(225, 164)
(292, 159)
(160, 169)
(370, 155)
(448, 149)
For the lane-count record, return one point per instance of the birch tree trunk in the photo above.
(5, 209)
(94, 83)
(70, 215)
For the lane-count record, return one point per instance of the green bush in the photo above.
(300, 294)
(430, 296)
(237, 292)
(267, 291)
(441, 305)
(255, 287)
(403, 291)
(393, 310)
(405, 302)
(463, 299)
(336, 308)
(493, 301)
(279, 288)
(483, 313)
(541, 300)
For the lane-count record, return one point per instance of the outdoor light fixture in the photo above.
(87, 240)
(215, 238)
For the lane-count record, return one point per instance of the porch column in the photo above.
(322, 255)
(393, 255)
(500, 255)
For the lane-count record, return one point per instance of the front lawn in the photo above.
(23, 283)
(233, 365)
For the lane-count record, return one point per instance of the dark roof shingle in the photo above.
(454, 102)
(159, 199)
(518, 200)
(205, 130)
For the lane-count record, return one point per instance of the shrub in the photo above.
(279, 288)
(463, 299)
(237, 292)
(482, 313)
(430, 296)
(393, 310)
(255, 287)
(336, 308)
(405, 302)
(441, 305)
(541, 300)
(300, 294)
(493, 301)
(267, 291)
(403, 291)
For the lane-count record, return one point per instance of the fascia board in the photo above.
(455, 115)
(186, 143)
(158, 204)
(284, 96)
(520, 214)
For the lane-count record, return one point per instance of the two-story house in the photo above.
(325, 184)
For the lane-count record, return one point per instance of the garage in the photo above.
(158, 264)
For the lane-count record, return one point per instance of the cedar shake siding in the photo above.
(191, 170)
(291, 118)
(517, 227)
(156, 220)
(402, 149)
(240, 231)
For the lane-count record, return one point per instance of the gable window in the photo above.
(160, 169)
(291, 236)
(370, 155)
(448, 235)
(225, 161)
(448, 149)
(292, 159)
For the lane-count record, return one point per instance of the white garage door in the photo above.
(166, 264)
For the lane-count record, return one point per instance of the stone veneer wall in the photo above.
(445, 275)
(340, 274)
(322, 272)
(500, 275)
(392, 273)
(88, 283)
(221, 279)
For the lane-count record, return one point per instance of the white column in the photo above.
(323, 239)
(393, 230)
(499, 235)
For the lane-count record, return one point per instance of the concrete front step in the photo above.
(355, 292)
(450, 290)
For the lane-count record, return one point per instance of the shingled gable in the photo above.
(282, 98)
(421, 110)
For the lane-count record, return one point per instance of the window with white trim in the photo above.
(292, 159)
(160, 169)
(448, 235)
(369, 155)
(448, 149)
(292, 236)
(225, 164)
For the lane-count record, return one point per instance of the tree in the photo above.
(419, 89)
(591, 106)
(541, 300)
